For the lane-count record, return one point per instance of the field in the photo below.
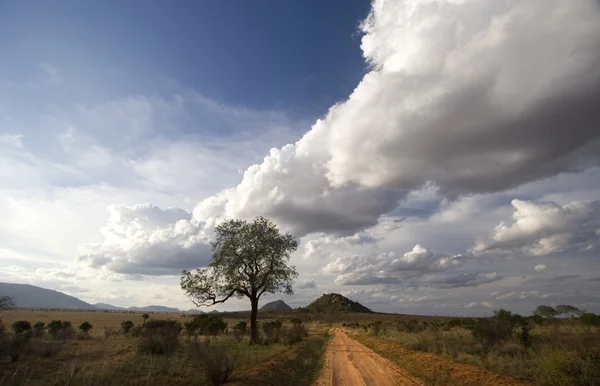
(433, 350)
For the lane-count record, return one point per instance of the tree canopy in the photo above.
(249, 260)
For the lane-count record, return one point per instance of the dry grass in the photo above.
(112, 358)
(562, 353)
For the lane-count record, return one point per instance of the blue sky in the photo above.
(434, 157)
(296, 56)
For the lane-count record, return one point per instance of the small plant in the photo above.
(145, 316)
(492, 331)
(38, 329)
(126, 326)
(85, 327)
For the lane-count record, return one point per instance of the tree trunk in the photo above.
(253, 324)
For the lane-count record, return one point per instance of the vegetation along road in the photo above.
(349, 363)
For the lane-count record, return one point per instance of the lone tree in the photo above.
(545, 311)
(249, 259)
(145, 316)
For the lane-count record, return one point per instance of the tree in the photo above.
(6, 302)
(249, 259)
(145, 316)
(565, 309)
(545, 311)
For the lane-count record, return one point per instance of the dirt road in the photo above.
(349, 363)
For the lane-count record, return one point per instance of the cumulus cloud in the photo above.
(149, 240)
(540, 267)
(541, 228)
(462, 97)
(387, 268)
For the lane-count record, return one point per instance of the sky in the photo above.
(437, 157)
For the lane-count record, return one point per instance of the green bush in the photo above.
(292, 335)
(590, 319)
(562, 368)
(492, 331)
(159, 337)
(61, 330)
(85, 327)
(205, 325)
(38, 329)
(272, 331)
(126, 326)
(21, 326)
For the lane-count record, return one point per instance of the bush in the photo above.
(240, 330)
(590, 319)
(38, 329)
(292, 335)
(215, 362)
(492, 331)
(85, 327)
(46, 349)
(126, 326)
(205, 325)
(61, 330)
(272, 331)
(136, 331)
(21, 326)
(159, 337)
(562, 368)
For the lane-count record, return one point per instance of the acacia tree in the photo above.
(249, 259)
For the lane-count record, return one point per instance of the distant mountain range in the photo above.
(29, 296)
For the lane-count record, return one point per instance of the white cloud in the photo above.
(541, 228)
(387, 268)
(540, 267)
(149, 240)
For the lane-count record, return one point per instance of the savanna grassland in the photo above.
(504, 349)
(164, 349)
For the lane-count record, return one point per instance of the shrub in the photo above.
(136, 331)
(590, 319)
(492, 331)
(375, 328)
(272, 331)
(241, 327)
(525, 337)
(295, 321)
(215, 362)
(61, 330)
(159, 337)
(126, 326)
(85, 327)
(110, 332)
(292, 335)
(563, 368)
(45, 349)
(145, 317)
(38, 329)
(21, 326)
(240, 330)
(205, 325)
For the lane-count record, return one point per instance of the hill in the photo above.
(336, 303)
(277, 305)
(29, 296)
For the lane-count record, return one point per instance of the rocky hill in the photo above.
(336, 303)
(277, 305)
